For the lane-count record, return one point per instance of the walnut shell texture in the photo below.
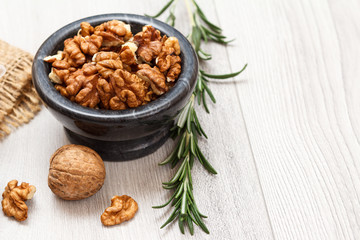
(76, 172)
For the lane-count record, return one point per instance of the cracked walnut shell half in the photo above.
(107, 67)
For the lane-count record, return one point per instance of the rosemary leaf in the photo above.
(181, 225)
(205, 104)
(224, 76)
(171, 218)
(207, 89)
(190, 225)
(169, 158)
(204, 18)
(162, 10)
(165, 204)
(196, 38)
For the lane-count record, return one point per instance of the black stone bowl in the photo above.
(116, 135)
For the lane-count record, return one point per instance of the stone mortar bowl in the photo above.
(116, 135)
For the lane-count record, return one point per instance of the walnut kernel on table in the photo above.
(123, 208)
(14, 197)
(108, 67)
(76, 172)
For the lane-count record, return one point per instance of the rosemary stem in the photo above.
(187, 138)
(183, 201)
(188, 8)
(192, 100)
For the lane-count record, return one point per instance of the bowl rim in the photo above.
(53, 99)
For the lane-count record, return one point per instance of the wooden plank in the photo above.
(233, 199)
(300, 105)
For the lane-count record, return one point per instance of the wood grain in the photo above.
(284, 136)
(300, 105)
(233, 199)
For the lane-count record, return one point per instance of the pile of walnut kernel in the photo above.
(107, 67)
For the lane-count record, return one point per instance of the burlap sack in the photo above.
(18, 99)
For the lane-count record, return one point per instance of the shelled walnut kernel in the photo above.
(14, 197)
(123, 208)
(108, 67)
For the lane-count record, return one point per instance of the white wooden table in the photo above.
(284, 136)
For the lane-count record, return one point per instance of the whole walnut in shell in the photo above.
(76, 172)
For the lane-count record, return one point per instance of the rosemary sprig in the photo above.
(187, 126)
(187, 150)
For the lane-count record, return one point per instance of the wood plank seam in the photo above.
(247, 134)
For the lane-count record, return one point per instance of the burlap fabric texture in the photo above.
(18, 99)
